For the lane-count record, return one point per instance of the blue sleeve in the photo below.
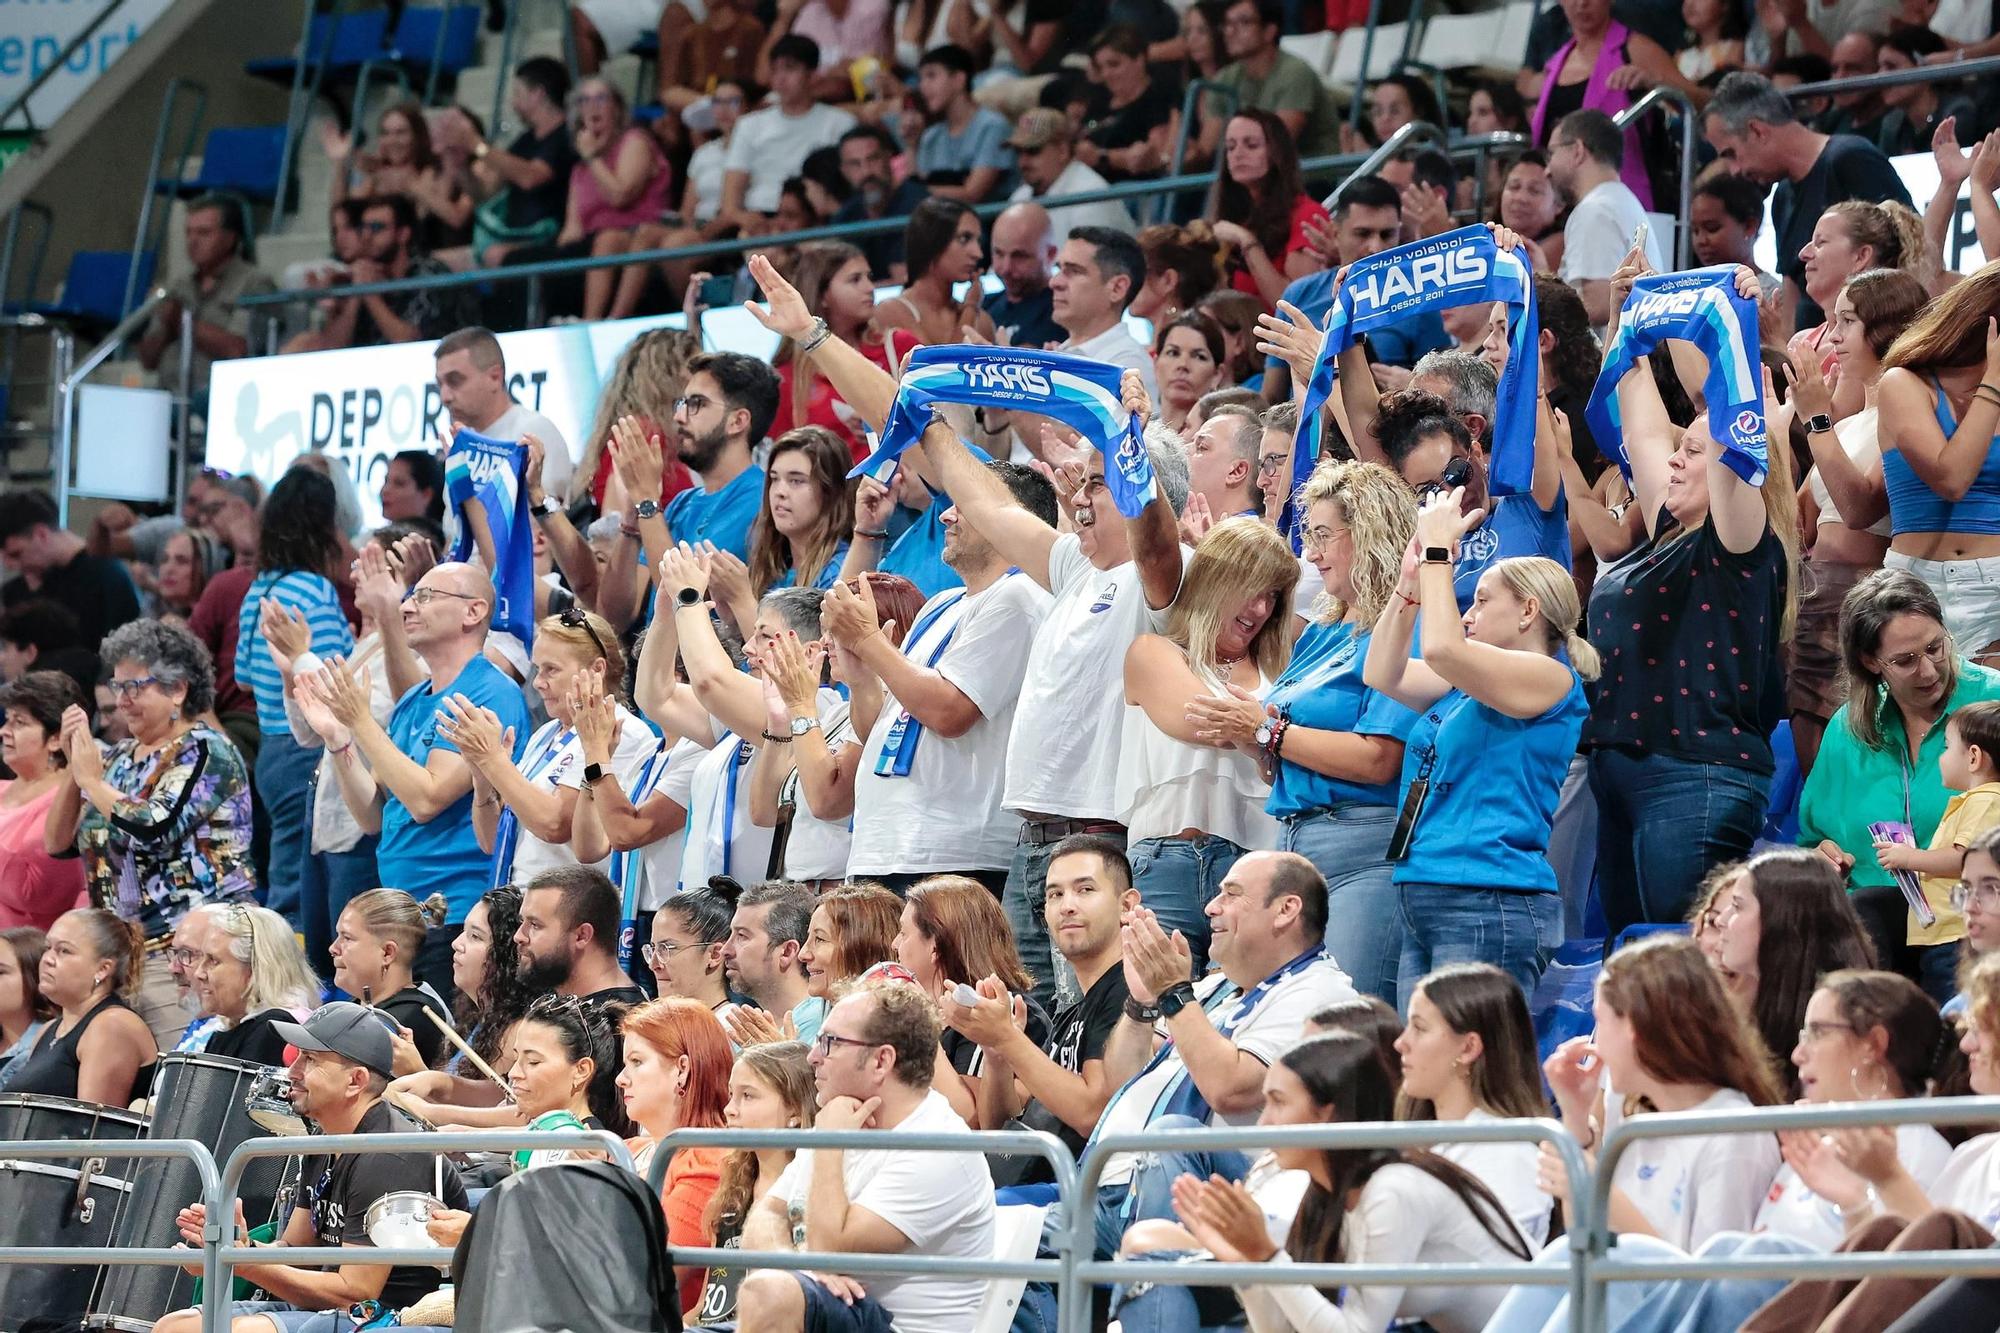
(989, 143)
(498, 691)
(1383, 716)
(315, 598)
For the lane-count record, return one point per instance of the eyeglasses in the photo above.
(662, 952)
(692, 403)
(182, 957)
(826, 1041)
(1934, 652)
(575, 618)
(1318, 539)
(1270, 462)
(425, 596)
(1987, 896)
(1812, 1032)
(126, 689)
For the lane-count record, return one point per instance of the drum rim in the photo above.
(202, 1059)
(40, 1168)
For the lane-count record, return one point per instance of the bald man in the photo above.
(1024, 250)
(409, 779)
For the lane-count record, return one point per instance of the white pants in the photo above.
(1970, 592)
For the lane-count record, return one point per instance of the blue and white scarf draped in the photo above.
(1700, 306)
(491, 471)
(1078, 391)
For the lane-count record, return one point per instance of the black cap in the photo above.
(351, 1031)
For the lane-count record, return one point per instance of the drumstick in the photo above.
(464, 1049)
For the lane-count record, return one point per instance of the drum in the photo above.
(269, 1105)
(69, 1201)
(33, 1116)
(205, 1098)
(397, 1220)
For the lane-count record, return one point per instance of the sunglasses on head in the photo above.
(574, 618)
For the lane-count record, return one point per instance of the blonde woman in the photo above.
(1339, 750)
(252, 975)
(1501, 698)
(1191, 805)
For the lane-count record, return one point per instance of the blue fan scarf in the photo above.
(1081, 393)
(1463, 267)
(1700, 306)
(490, 471)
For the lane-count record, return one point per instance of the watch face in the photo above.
(801, 725)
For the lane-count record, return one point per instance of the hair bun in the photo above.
(434, 909)
(726, 887)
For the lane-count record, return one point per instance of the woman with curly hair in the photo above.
(1260, 185)
(645, 383)
(485, 972)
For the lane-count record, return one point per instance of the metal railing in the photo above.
(63, 448)
(62, 355)
(19, 106)
(1690, 128)
(147, 235)
(63, 1150)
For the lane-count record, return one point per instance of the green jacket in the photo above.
(1852, 787)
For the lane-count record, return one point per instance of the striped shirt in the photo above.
(312, 596)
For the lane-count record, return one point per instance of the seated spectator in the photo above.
(1491, 108)
(28, 1012)
(491, 996)
(96, 1048)
(568, 937)
(1393, 103)
(874, 1063)
(867, 153)
(388, 231)
(1427, 182)
(1131, 117)
(771, 144)
(343, 227)
(731, 399)
(344, 1064)
(188, 560)
(1260, 209)
(767, 934)
(39, 634)
(1024, 253)
(1236, 314)
(963, 152)
(845, 35)
(1043, 143)
(1265, 78)
(1605, 216)
(853, 928)
(800, 537)
(222, 274)
(1856, 54)
(252, 975)
(676, 1076)
(701, 52)
(1188, 353)
(50, 563)
(36, 886)
(376, 940)
(524, 186)
(771, 1087)
(942, 250)
(1715, 39)
(1183, 265)
(401, 158)
(1915, 110)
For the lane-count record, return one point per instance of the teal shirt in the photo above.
(1851, 786)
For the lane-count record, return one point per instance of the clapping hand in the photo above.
(750, 1026)
(684, 569)
(346, 696)
(729, 579)
(1816, 1159)
(1225, 1217)
(1985, 165)
(793, 668)
(285, 631)
(1442, 520)
(637, 458)
(850, 616)
(594, 714)
(1811, 395)
(378, 588)
(86, 761)
(412, 558)
(1196, 519)
(991, 1019)
(1954, 164)
(533, 470)
(1155, 962)
(476, 731)
(1293, 338)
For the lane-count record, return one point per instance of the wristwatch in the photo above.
(1263, 733)
(646, 509)
(1819, 424)
(1176, 998)
(549, 507)
(801, 725)
(687, 597)
(591, 773)
(1437, 555)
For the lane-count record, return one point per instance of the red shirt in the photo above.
(214, 622)
(1305, 209)
(827, 408)
(678, 478)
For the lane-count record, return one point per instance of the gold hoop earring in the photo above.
(1882, 1077)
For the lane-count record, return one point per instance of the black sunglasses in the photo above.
(1454, 475)
(574, 618)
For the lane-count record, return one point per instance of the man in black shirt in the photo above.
(1752, 125)
(337, 1082)
(865, 154)
(50, 562)
(1061, 1088)
(568, 937)
(530, 176)
(1024, 252)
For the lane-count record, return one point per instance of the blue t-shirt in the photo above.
(1321, 688)
(1517, 526)
(1494, 783)
(723, 517)
(312, 596)
(944, 158)
(829, 573)
(443, 855)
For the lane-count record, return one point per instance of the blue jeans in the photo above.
(1176, 877)
(1024, 901)
(1037, 1311)
(1364, 926)
(1515, 930)
(1664, 823)
(1690, 1306)
(284, 787)
(1163, 1309)
(326, 881)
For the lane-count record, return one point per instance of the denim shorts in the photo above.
(1970, 592)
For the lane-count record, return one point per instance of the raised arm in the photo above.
(984, 499)
(731, 697)
(1389, 668)
(1909, 424)
(826, 772)
(861, 384)
(572, 553)
(1861, 496)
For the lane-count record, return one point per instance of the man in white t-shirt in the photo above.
(1586, 152)
(872, 1063)
(769, 146)
(927, 794)
(472, 385)
(1044, 143)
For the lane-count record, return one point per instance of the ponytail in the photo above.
(434, 910)
(1582, 656)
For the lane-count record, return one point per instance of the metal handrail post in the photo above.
(1402, 138)
(184, 411)
(1367, 54)
(1661, 96)
(298, 107)
(444, 9)
(63, 343)
(506, 69)
(1081, 1222)
(1604, 1269)
(69, 379)
(141, 234)
(49, 71)
(1859, 83)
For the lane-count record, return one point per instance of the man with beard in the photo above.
(761, 958)
(723, 412)
(927, 796)
(568, 937)
(190, 943)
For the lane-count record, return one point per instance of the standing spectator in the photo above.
(49, 562)
(1098, 272)
(218, 615)
(162, 819)
(525, 184)
(1367, 219)
(963, 152)
(1584, 152)
(1024, 250)
(1849, 239)
(1260, 208)
(1188, 352)
(942, 250)
(1265, 78)
(771, 144)
(36, 886)
(799, 539)
(867, 154)
(1579, 77)
(222, 275)
(1528, 204)
(472, 387)
(731, 399)
(843, 34)
(295, 562)
(1183, 265)
(1724, 217)
(1131, 116)
(1756, 132)
(388, 242)
(188, 560)
(1044, 146)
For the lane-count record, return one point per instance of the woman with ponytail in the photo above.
(375, 944)
(1849, 239)
(96, 1049)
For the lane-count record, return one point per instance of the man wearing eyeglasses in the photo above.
(872, 1063)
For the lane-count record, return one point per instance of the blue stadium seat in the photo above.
(344, 42)
(416, 38)
(242, 160)
(93, 292)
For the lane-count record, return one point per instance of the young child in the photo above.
(1970, 766)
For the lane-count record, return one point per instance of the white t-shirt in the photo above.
(1970, 1182)
(943, 1203)
(557, 462)
(554, 758)
(717, 842)
(705, 169)
(1062, 758)
(1117, 346)
(1599, 233)
(1857, 436)
(946, 815)
(772, 146)
(1077, 178)
(1790, 1209)
(1272, 1026)
(661, 861)
(818, 848)
(1690, 1189)
(1509, 1170)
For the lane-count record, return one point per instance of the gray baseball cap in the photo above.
(353, 1032)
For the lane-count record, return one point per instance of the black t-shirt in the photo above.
(616, 995)
(969, 1058)
(1689, 635)
(1849, 167)
(1030, 323)
(1079, 1035)
(718, 1294)
(255, 1039)
(338, 1191)
(97, 591)
(407, 1007)
(884, 248)
(1124, 126)
(524, 208)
